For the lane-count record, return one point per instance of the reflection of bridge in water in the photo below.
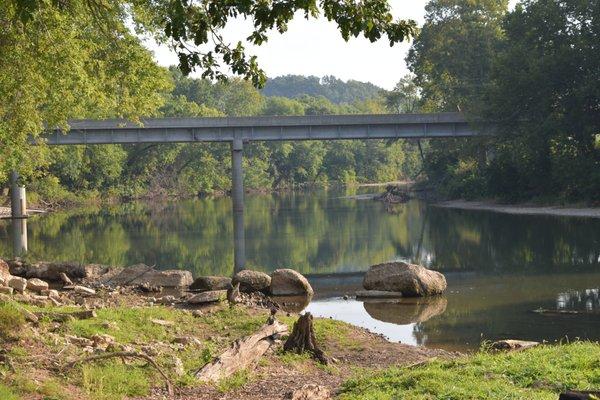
(240, 130)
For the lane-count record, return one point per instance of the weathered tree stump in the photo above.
(303, 339)
(577, 395)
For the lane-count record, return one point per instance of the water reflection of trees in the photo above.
(314, 233)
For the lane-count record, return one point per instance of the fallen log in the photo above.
(579, 395)
(242, 354)
(303, 339)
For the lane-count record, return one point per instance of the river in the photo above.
(499, 267)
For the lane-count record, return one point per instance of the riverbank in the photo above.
(36, 357)
(522, 209)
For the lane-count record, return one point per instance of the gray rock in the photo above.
(409, 279)
(36, 285)
(141, 274)
(80, 289)
(51, 271)
(51, 293)
(4, 272)
(207, 297)
(252, 281)
(6, 290)
(211, 283)
(18, 283)
(378, 294)
(285, 282)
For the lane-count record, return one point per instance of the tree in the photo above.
(451, 57)
(545, 94)
(61, 65)
(405, 97)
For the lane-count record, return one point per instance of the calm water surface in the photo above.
(499, 267)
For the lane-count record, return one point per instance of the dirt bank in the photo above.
(522, 209)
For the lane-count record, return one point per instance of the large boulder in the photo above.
(205, 283)
(4, 272)
(141, 274)
(252, 281)
(410, 279)
(287, 282)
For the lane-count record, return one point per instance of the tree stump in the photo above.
(303, 339)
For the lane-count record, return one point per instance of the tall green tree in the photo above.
(545, 95)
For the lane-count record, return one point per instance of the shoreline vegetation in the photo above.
(59, 343)
(522, 209)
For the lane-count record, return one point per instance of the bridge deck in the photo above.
(317, 127)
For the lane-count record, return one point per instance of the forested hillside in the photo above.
(330, 87)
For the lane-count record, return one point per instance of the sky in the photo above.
(315, 47)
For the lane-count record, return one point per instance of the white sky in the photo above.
(315, 47)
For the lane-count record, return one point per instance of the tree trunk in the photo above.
(303, 339)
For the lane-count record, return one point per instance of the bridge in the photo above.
(240, 130)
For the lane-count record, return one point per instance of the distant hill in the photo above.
(330, 87)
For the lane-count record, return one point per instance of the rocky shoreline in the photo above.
(73, 312)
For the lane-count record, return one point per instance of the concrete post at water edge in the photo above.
(237, 199)
(18, 201)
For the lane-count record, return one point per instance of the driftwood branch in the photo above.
(242, 353)
(123, 354)
(303, 339)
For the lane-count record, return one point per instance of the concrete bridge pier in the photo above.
(237, 198)
(18, 208)
(18, 202)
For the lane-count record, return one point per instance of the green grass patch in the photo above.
(233, 382)
(539, 373)
(7, 394)
(11, 321)
(112, 381)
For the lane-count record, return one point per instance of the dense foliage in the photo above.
(330, 87)
(535, 73)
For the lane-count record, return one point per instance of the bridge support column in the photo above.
(18, 201)
(18, 210)
(237, 199)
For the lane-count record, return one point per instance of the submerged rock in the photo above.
(406, 311)
(378, 294)
(285, 282)
(211, 283)
(409, 279)
(141, 274)
(252, 281)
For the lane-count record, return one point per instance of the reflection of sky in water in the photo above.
(588, 299)
(353, 312)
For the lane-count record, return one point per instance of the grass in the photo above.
(539, 373)
(7, 394)
(233, 382)
(11, 321)
(113, 380)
